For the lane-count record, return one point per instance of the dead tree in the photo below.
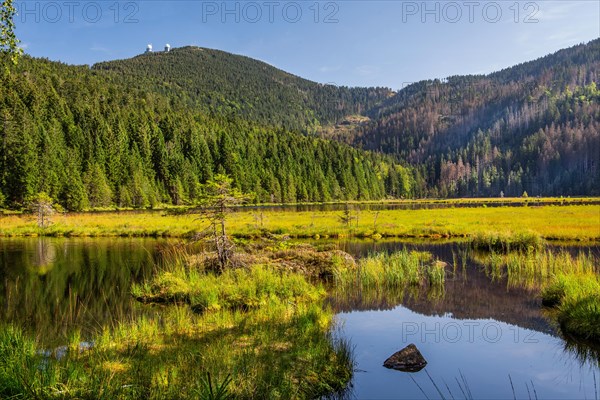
(216, 204)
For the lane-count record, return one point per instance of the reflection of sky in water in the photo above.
(484, 351)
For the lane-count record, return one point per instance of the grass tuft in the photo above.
(576, 298)
(382, 271)
(507, 242)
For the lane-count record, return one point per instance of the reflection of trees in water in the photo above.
(44, 255)
(53, 285)
(466, 296)
(476, 294)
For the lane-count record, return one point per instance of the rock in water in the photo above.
(409, 359)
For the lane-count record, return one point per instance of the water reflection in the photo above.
(44, 256)
(469, 292)
(478, 354)
(51, 286)
(474, 336)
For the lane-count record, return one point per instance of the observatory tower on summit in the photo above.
(149, 48)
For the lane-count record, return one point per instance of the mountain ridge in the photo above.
(501, 133)
(152, 128)
(90, 140)
(228, 84)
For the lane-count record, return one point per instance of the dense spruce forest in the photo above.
(151, 129)
(225, 84)
(531, 128)
(88, 140)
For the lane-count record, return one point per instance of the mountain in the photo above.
(529, 128)
(151, 129)
(534, 127)
(100, 138)
(226, 84)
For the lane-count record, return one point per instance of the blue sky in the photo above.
(354, 43)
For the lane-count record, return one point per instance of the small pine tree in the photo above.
(347, 216)
(74, 196)
(98, 189)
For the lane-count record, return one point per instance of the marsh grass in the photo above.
(568, 283)
(263, 278)
(576, 297)
(242, 288)
(382, 271)
(507, 242)
(279, 352)
(534, 269)
(551, 222)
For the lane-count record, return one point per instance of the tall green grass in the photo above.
(391, 271)
(533, 269)
(507, 242)
(17, 353)
(576, 297)
(278, 352)
(570, 284)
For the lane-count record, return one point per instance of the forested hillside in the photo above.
(226, 84)
(534, 127)
(153, 128)
(88, 140)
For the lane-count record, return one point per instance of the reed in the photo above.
(570, 284)
(390, 271)
(507, 242)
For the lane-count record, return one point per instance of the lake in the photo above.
(477, 336)
(474, 337)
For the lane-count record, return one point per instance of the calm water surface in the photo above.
(51, 286)
(474, 335)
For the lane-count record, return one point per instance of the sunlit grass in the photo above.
(242, 288)
(534, 269)
(382, 271)
(570, 284)
(569, 222)
(256, 331)
(506, 242)
(282, 351)
(576, 297)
